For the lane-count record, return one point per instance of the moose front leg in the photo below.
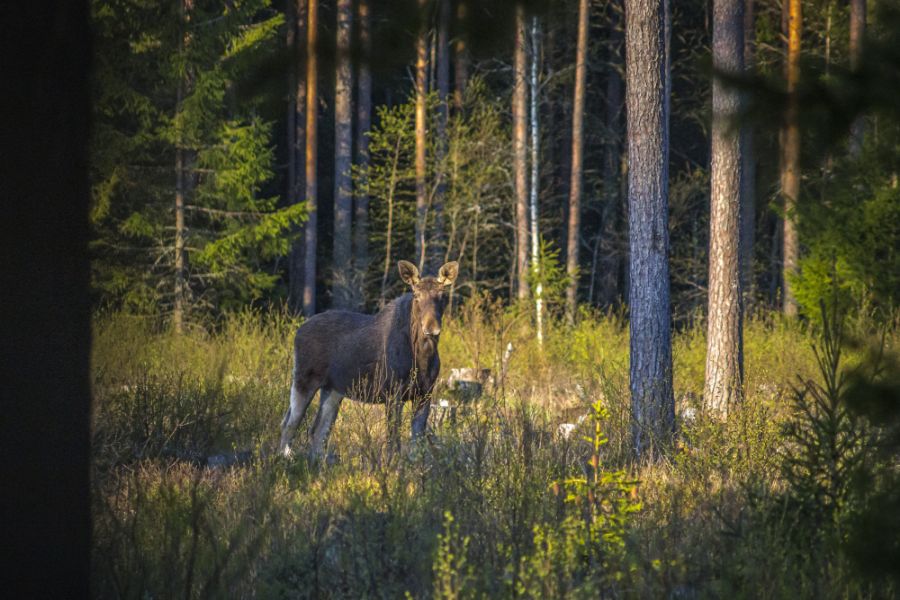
(420, 417)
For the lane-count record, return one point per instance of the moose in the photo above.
(388, 358)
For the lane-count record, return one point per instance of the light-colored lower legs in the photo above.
(329, 404)
(299, 403)
(420, 417)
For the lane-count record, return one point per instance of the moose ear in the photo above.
(447, 274)
(408, 272)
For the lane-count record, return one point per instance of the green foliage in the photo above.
(165, 83)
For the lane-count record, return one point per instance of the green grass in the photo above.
(478, 510)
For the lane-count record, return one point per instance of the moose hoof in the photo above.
(287, 452)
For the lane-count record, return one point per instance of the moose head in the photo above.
(429, 295)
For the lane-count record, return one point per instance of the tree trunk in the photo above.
(790, 166)
(461, 54)
(363, 125)
(647, 35)
(535, 178)
(748, 160)
(439, 243)
(520, 158)
(312, 157)
(610, 251)
(724, 342)
(343, 153)
(420, 165)
(180, 283)
(857, 33)
(296, 28)
(577, 153)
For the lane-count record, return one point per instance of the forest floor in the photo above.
(498, 501)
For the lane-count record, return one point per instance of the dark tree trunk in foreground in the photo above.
(610, 252)
(312, 158)
(520, 157)
(343, 156)
(363, 125)
(748, 160)
(577, 153)
(724, 342)
(857, 33)
(420, 165)
(296, 27)
(180, 292)
(45, 329)
(647, 34)
(790, 160)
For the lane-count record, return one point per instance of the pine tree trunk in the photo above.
(296, 27)
(312, 158)
(577, 154)
(724, 345)
(178, 308)
(420, 165)
(610, 251)
(857, 33)
(343, 156)
(535, 179)
(363, 125)
(439, 243)
(461, 54)
(790, 169)
(748, 160)
(520, 158)
(647, 35)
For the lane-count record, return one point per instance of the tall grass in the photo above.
(477, 509)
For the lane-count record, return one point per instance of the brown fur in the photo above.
(390, 357)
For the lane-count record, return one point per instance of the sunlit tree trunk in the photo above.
(363, 125)
(420, 165)
(535, 181)
(520, 154)
(312, 157)
(343, 152)
(790, 165)
(179, 302)
(613, 160)
(577, 153)
(647, 34)
(857, 33)
(724, 342)
(748, 160)
(296, 31)
(461, 53)
(442, 52)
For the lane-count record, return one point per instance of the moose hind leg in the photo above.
(300, 399)
(329, 404)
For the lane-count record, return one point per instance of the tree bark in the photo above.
(610, 251)
(343, 156)
(647, 35)
(363, 125)
(461, 54)
(312, 158)
(439, 243)
(520, 158)
(296, 28)
(535, 179)
(748, 160)
(420, 165)
(178, 309)
(790, 166)
(577, 154)
(724, 342)
(857, 33)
